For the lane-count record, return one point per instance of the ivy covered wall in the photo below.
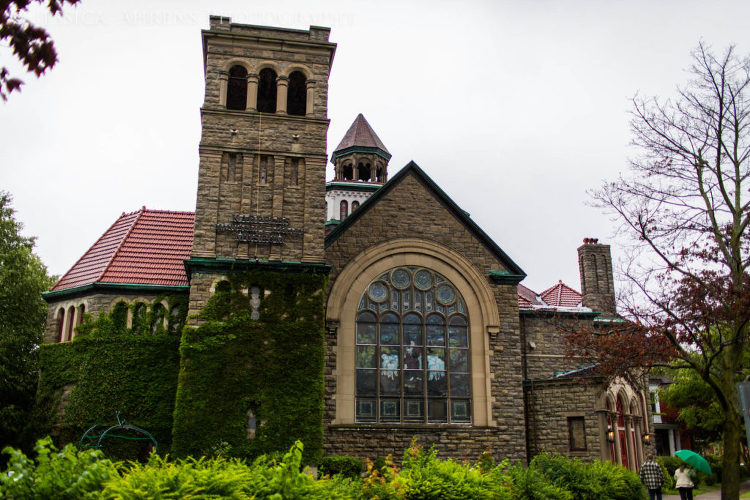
(251, 375)
(109, 368)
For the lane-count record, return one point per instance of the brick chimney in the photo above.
(597, 283)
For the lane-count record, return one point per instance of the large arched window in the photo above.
(296, 102)
(267, 91)
(412, 353)
(237, 88)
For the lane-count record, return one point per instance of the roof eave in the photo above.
(97, 286)
(461, 215)
(360, 149)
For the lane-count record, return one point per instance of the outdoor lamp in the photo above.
(610, 434)
(646, 438)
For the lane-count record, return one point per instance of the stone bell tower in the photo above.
(261, 177)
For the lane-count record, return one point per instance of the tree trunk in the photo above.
(730, 482)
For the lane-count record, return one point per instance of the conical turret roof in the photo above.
(361, 137)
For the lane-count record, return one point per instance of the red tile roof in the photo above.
(361, 134)
(561, 295)
(147, 247)
(527, 297)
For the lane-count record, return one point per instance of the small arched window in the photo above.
(71, 322)
(157, 318)
(119, 316)
(237, 88)
(348, 173)
(379, 174)
(364, 171)
(81, 312)
(296, 103)
(60, 324)
(267, 91)
(355, 205)
(344, 210)
(139, 318)
(175, 320)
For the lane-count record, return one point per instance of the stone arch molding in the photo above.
(356, 276)
(413, 252)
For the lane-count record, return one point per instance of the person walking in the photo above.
(652, 477)
(684, 483)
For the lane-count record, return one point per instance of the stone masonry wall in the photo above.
(365, 441)
(247, 136)
(549, 354)
(550, 403)
(411, 210)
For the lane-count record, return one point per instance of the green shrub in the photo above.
(594, 481)
(61, 474)
(426, 477)
(668, 466)
(527, 483)
(345, 466)
(226, 478)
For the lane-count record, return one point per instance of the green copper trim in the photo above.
(214, 264)
(502, 277)
(609, 321)
(353, 186)
(549, 312)
(110, 287)
(361, 149)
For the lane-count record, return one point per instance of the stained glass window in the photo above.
(412, 350)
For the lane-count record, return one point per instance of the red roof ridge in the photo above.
(155, 210)
(122, 241)
(62, 278)
(559, 294)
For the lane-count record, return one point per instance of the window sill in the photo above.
(394, 426)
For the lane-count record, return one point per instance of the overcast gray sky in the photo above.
(515, 108)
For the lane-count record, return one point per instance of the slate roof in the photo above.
(146, 247)
(360, 136)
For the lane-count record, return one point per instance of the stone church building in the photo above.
(428, 330)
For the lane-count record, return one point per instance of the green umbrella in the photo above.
(692, 458)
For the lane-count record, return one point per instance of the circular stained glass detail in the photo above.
(445, 294)
(400, 278)
(423, 279)
(378, 291)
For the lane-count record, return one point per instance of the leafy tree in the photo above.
(696, 405)
(31, 44)
(23, 278)
(685, 208)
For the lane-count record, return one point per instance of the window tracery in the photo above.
(412, 350)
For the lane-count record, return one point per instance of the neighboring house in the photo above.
(670, 434)
(428, 331)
